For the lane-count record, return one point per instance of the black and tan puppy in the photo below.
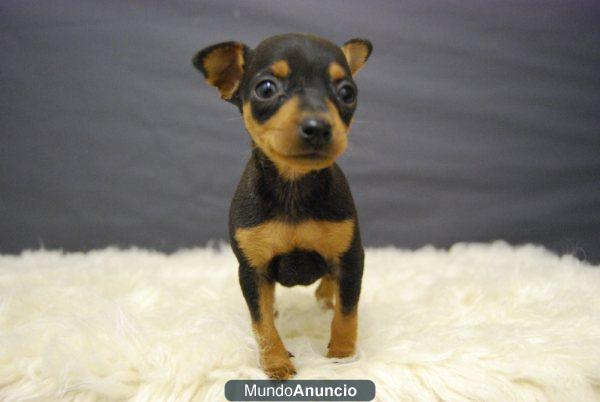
(292, 219)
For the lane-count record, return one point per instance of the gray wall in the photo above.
(477, 121)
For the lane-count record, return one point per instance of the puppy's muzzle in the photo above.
(315, 132)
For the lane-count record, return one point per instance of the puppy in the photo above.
(292, 219)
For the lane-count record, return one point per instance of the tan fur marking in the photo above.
(278, 138)
(281, 69)
(325, 291)
(224, 69)
(356, 55)
(339, 129)
(274, 357)
(344, 329)
(263, 242)
(336, 72)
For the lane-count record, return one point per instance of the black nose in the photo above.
(315, 132)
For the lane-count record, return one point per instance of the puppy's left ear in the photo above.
(357, 52)
(223, 66)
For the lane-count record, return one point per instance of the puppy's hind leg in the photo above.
(325, 292)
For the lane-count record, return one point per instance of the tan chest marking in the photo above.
(263, 242)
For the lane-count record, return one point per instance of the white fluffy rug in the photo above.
(477, 322)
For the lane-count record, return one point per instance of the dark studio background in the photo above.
(477, 121)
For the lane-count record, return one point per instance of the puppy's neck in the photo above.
(290, 195)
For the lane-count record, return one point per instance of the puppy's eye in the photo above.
(266, 89)
(346, 93)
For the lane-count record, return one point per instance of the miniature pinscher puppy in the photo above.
(292, 219)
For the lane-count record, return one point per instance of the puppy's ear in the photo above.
(223, 66)
(357, 51)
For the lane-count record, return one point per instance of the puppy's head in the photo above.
(295, 92)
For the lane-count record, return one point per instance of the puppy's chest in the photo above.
(261, 243)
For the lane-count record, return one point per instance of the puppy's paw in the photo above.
(341, 352)
(279, 369)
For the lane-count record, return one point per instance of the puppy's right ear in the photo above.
(223, 66)
(357, 52)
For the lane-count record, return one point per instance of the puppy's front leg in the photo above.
(259, 293)
(344, 326)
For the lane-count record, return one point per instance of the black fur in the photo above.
(298, 267)
(323, 195)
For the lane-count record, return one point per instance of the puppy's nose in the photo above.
(315, 132)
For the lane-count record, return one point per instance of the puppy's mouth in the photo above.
(316, 155)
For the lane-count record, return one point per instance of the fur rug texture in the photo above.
(478, 322)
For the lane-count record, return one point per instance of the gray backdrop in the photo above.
(477, 121)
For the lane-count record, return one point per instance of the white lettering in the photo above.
(250, 391)
(352, 391)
